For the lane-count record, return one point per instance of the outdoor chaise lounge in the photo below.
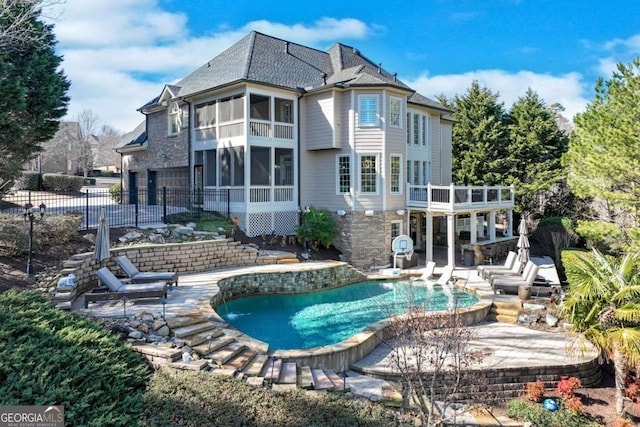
(510, 284)
(443, 280)
(427, 273)
(117, 289)
(483, 270)
(145, 277)
(516, 270)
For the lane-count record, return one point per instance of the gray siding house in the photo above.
(282, 126)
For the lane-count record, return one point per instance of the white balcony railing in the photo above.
(453, 198)
(263, 129)
(268, 194)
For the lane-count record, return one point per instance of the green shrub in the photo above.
(115, 191)
(201, 399)
(59, 182)
(28, 181)
(604, 236)
(51, 357)
(49, 231)
(317, 228)
(540, 417)
(556, 220)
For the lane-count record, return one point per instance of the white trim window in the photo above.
(408, 129)
(416, 129)
(368, 173)
(395, 112)
(396, 229)
(343, 178)
(368, 110)
(396, 174)
(426, 171)
(416, 172)
(425, 129)
(174, 119)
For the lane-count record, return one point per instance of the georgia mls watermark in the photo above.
(32, 416)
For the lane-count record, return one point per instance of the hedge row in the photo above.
(50, 181)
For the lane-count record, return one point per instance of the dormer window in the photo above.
(174, 119)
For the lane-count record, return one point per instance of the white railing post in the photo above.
(429, 197)
(452, 195)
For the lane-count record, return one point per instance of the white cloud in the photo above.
(565, 89)
(118, 54)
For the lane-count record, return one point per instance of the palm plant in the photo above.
(603, 304)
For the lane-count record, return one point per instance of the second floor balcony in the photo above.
(460, 198)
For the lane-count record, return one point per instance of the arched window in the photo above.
(174, 119)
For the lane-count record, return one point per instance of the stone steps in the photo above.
(211, 346)
(224, 354)
(288, 374)
(201, 337)
(242, 360)
(305, 378)
(271, 370)
(193, 329)
(321, 381)
(255, 366)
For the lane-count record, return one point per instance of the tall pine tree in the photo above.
(603, 160)
(478, 136)
(32, 95)
(532, 161)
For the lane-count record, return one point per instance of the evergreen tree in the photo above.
(478, 136)
(603, 160)
(534, 149)
(32, 95)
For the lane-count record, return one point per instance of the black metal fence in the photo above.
(124, 208)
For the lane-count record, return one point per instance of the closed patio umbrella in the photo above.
(523, 241)
(101, 252)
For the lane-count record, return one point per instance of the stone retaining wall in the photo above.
(189, 257)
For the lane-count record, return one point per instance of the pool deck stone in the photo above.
(507, 345)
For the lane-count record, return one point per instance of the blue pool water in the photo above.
(327, 317)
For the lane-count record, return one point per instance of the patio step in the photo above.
(207, 348)
(338, 382)
(271, 370)
(243, 359)
(288, 373)
(255, 366)
(158, 353)
(321, 381)
(202, 337)
(305, 378)
(192, 329)
(186, 319)
(223, 355)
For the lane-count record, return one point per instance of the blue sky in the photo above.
(118, 54)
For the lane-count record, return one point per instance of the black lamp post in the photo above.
(30, 214)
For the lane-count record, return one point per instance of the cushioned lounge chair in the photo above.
(483, 270)
(117, 289)
(443, 280)
(138, 276)
(516, 270)
(510, 285)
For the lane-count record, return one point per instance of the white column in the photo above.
(510, 223)
(451, 240)
(428, 237)
(473, 228)
(492, 226)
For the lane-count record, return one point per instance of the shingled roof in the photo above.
(268, 60)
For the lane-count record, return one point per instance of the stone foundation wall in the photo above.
(366, 240)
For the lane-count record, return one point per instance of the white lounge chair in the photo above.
(427, 273)
(516, 269)
(510, 285)
(483, 270)
(443, 280)
(138, 276)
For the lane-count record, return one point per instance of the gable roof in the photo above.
(134, 140)
(268, 60)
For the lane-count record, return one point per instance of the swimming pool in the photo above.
(309, 320)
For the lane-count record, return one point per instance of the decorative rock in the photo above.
(144, 328)
(182, 231)
(158, 324)
(552, 320)
(191, 225)
(147, 317)
(163, 231)
(90, 237)
(156, 238)
(132, 235)
(163, 331)
(534, 307)
(136, 335)
(528, 319)
(135, 323)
